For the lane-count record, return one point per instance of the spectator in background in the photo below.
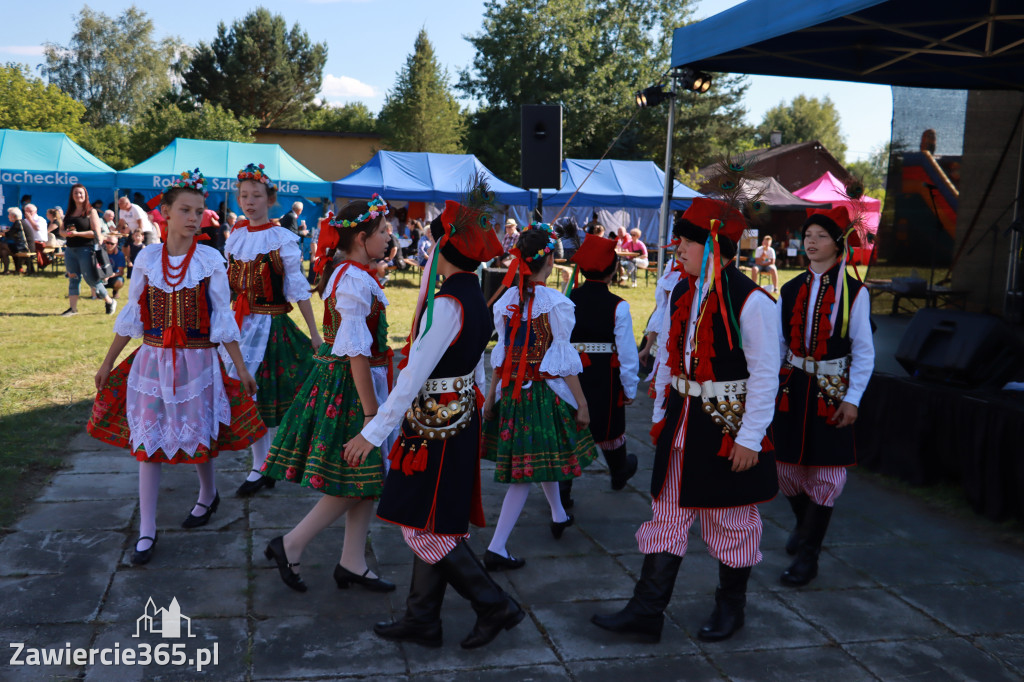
(597, 230)
(116, 280)
(229, 223)
(55, 216)
(131, 217)
(138, 241)
(16, 235)
(423, 249)
(81, 226)
(290, 220)
(108, 222)
(210, 226)
(156, 218)
(38, 225)
(764, 261)
(633, 245)
(621, 237)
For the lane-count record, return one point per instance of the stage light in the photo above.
(697, 81)
(651, 97)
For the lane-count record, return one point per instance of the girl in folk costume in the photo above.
(828, 357)
(603, 336)
(265, 272)
(433, 487)
(715, 398)
(348, 380)
(172, 400)
(538, 430)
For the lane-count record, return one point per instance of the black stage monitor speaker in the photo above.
(541, 146)
(491, 281)
(959, 348)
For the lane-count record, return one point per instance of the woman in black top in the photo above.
(80, 228)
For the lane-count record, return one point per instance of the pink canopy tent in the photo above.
(829, 189)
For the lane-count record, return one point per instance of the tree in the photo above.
(347, 118)
(420, 113)
(161, 124)
(803, 120)
(873, 170)
(26, 103)
(590, 56)
(112, 66)
(258, 68)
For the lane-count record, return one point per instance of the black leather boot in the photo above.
(495, 610)
(799, 504)
(565, 494)
(621, 466)
(805, 568)
(730, 600)
(422, 621)
(644, 615)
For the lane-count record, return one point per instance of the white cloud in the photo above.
(345, 87)
(24, 50)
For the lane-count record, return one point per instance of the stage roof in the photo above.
(615, 183)
(958, 44)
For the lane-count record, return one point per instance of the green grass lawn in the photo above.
(47, 363)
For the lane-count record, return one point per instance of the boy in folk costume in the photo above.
(172, 401)
(715, 398)
(603, 336)
(265, 272)
(662, 296)
(828, 357)
(433, 487)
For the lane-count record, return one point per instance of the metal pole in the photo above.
(1013, 298)
(666, 198)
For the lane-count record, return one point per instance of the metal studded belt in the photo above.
(594, 347)
(820, 367)
(723, 401)
(434, 420)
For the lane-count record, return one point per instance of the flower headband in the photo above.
(549, 247)
(378, 207)
(191, 180)
(257, 174)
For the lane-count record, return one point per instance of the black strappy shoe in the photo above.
(196, 521)
(140, 557)
(275, 552)
(249, 488)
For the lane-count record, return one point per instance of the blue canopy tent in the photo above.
(45, 166)
(913, 43)
(621, 193)
(423, 176)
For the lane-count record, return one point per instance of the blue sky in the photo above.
(369, 40)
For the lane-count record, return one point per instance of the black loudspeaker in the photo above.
(959, 348)
(541, 149)
(491, 280)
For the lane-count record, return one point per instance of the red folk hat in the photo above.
(836, 221)
(596, 254)
(471, 239)
(696, 221)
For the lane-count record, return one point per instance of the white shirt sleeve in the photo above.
(424, 354)
(561, 359)
(498, 353)
(761, 327)
(353, 304)
(223, 327)
(862, 362)
(296, 288)
(664, 375)
(783, 341)
(629, 359)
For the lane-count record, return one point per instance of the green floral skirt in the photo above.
(535, 439)
(326, 414)
(286, 364)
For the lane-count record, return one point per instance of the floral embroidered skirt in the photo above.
(109, 422)
(287, 362)
(535, 438)
(326, 414)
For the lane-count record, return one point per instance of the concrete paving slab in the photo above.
(833, 573)
(203, 593)
(115, 514)
(614, 537)
(322, 646)
(791, 665)
(64, 553)
(50, 599)
(769, 624)
(900, 565)
(273, 599)
(192, 550)
(970, 609)
(575, 638)
(526, 673)
(946, 658)
(40, 637)
(102, 462)
(692, 668)
(862, 615)
(70, 486)
(571, 579)
(1007, 648)
(984, 563)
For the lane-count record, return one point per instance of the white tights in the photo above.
(260, 450)
(512, 507)
(326, 511)
(149, 492)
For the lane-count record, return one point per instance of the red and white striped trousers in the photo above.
(428, 546)
(732, 534)
(822, 484)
